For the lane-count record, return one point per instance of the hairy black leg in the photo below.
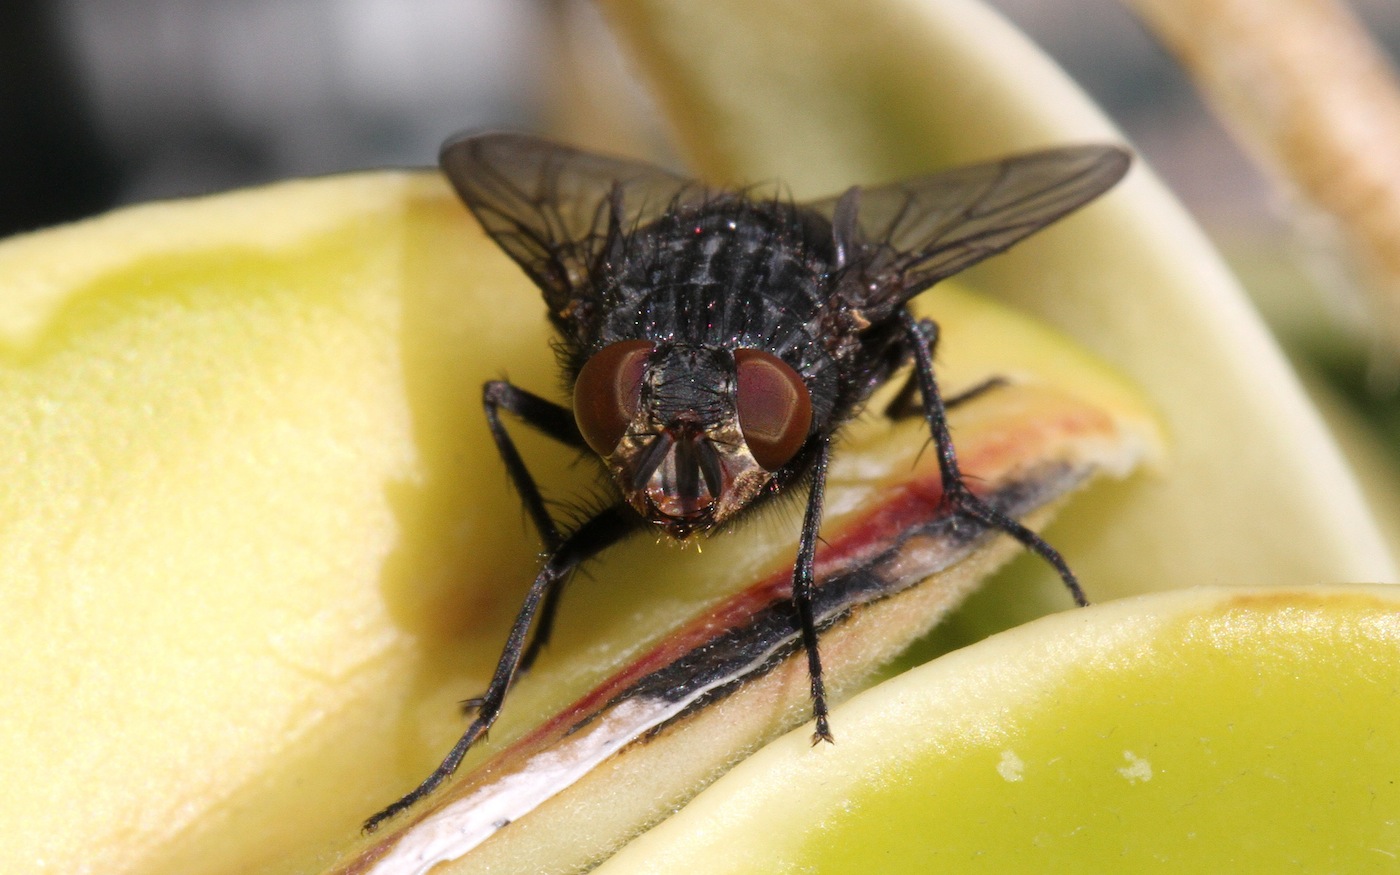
(908, 403)
(539, 639)
(557, 422)
(552, 419)
(923, 337)
(802, 589)
(591, 538)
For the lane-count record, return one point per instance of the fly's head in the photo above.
(691, 434)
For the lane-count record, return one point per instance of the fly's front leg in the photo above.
(558, 422)
(552, 419)
(592, 537)
(922, 338)
(802, 586)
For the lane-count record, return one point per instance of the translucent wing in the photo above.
(551, 208)
(906, 236)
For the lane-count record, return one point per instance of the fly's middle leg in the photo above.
(802, 590)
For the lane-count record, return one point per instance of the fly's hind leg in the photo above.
(922, 337)
(907, 403)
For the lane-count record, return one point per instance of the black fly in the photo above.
(715, 342)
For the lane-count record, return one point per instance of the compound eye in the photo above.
(608, 392)
(775, 410)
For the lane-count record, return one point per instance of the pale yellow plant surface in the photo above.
(1155, 734)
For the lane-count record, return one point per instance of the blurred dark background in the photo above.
(104, 102)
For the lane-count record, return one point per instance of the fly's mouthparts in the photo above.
(675, 490)
(680, 477)
(710, 468)
(652, 455)
(687, 471)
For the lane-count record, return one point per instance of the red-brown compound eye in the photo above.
(607, 393)
(775, 411)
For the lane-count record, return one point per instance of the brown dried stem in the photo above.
(1303, 87)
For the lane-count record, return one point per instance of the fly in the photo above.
(715, 343)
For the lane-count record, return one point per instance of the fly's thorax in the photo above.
(692, 435)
